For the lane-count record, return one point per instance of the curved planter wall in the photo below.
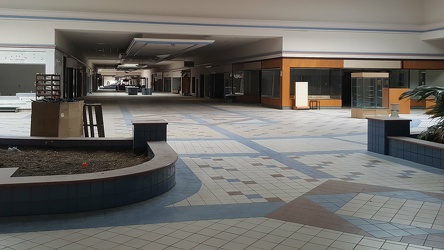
(391, 136)
(85, 192)
(36, 195)
(419, 151)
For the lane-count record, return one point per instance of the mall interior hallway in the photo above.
(251, 177)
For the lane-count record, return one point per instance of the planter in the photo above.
(416, 150)
(55, 194)
(391, 136)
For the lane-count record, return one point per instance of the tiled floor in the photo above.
(251, 177)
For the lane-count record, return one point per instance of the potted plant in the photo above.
(433, 133)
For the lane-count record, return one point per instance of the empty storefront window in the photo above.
(238, 83)
(399, 78)
(426, 77)
(176, 84)
(246, 82)
(325, 83)
(167, 84)
(271, 83)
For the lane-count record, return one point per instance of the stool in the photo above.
(88, 119)
(314, 104)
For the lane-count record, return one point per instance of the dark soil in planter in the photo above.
(60, 161)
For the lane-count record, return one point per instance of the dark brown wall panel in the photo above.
(423, 64)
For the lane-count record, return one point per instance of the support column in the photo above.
(148, 130)
(381, 127)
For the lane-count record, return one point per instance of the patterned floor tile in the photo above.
(251, 177)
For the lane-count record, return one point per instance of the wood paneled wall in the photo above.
(404, 104)
(423, 65)
(312, 63)
(272, 63)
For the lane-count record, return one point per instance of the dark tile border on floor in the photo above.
(304, 210)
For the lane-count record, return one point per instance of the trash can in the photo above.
(146, 91)
(132, 90)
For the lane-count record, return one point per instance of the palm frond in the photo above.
(423, 92)
(433, 133)
(436, 132)
(436, 111)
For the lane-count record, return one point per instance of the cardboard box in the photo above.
(63, 119)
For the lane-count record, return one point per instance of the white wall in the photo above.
(68, 47)
(108, 80)
(26, 32)
(306, 39)
(374, 11)
(28, 56)
(311, 28)
(433, 11)
(394, 45)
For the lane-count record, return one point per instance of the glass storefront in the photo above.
(399, 78)
(322, 83)
(271, 83)
(426, 77)
(246, 82)
(238, 84)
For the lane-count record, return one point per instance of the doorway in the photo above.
(201, 86)
(346, 89)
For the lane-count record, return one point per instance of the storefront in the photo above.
(272, 82)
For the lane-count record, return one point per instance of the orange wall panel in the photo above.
(415, 103)
(285, 88)
(313, 63)
(430, 102)
(404, 104)
(288, 63)
(330, 102)
(385, 98)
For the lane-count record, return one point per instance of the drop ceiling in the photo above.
(153, 50)
(109, 49)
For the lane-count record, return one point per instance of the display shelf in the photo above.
(47, 86)
(367, 94)
(367, 90)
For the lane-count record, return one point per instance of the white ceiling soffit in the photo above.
(371, 64)
(157, 50)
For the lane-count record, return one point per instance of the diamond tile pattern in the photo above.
(251, 177)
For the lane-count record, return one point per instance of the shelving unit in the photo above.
(368, 98)
(47, 86)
